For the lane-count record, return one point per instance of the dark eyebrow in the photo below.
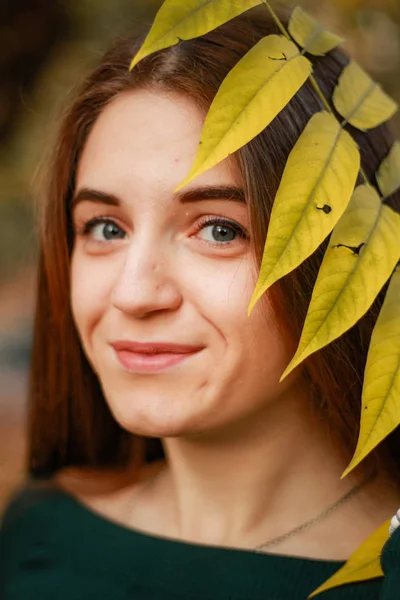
(208, 192)
(92, 195)
(211, 192)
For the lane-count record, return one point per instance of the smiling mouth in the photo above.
(151, 357)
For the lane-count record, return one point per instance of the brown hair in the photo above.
(70, 423)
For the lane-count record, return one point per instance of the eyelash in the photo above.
(208, 221)
(202, 223)
(89, 225)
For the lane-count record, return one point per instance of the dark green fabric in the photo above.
(54, 548)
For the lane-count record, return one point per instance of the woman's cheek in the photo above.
(91, 288)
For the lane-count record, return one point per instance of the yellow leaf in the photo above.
(381, 392)
(364, 564)
(362, 254)
(388, 175)
(315, 190)
(311, 35)
(250, 97)
(186, 19)
(360, 100)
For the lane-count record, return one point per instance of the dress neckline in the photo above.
(103, 521)
(66, 529)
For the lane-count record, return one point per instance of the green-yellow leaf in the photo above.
(311, 35)
(186, 19)
(316, 187)
(388, 175)
(250, 97)
(360, 100)
(363, 565)
(362, 254)
(380, 413)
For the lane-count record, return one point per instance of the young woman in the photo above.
(166, 460)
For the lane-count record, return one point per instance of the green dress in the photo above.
(54, 548)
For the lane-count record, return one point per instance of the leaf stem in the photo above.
(364, 175)
(313, 81)
(320, 94)
(277, 20)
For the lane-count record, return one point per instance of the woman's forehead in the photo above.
(147, 121)
(146, 142)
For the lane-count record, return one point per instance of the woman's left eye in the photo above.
(221, 231)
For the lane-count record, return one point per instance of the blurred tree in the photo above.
(354, 5)
(28, 31)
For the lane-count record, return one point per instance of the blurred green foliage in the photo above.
(86, 27)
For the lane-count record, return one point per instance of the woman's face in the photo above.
(152, 267)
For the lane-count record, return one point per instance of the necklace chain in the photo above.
(307, 524)
(320, 517)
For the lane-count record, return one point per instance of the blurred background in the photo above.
(45, 50)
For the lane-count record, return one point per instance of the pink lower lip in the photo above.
(137, 362)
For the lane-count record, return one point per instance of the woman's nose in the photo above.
(145, 283)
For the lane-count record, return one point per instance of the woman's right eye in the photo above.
(103, 230)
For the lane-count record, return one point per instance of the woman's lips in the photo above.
(151, 357)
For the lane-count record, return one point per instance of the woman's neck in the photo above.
(249, 484)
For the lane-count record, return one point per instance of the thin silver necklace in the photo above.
(307, 524)
(320, 517)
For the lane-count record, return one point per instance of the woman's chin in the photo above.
(157, 424)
